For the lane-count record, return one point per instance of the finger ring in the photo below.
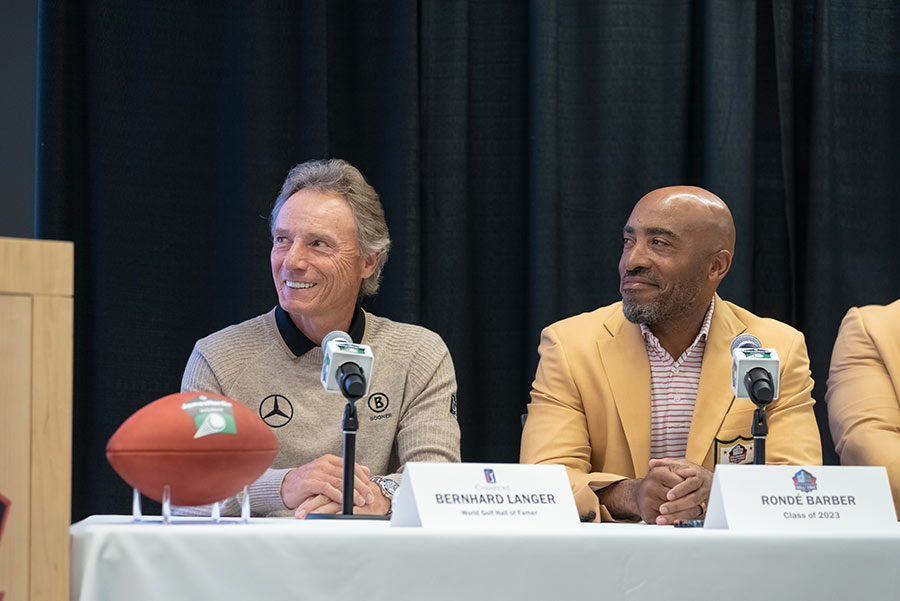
(702, 507)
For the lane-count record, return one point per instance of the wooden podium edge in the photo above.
(42, 271)
(51, 447)
(39, 267)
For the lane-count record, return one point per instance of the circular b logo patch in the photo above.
(378, 402)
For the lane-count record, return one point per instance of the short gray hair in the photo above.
(339, 177)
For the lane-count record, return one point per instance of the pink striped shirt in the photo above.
(673, 391)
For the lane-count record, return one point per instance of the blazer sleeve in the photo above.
(793, 437)
(863, 408)
(556, 428)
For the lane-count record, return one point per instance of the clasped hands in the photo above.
(673, 489)
(316, 487)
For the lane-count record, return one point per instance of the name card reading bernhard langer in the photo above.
(790, 497)
(481, 495)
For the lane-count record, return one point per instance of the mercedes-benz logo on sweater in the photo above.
(276, 410)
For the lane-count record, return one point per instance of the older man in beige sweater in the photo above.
(329, 245)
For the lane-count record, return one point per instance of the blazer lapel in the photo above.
(714, 397)
(624, 358)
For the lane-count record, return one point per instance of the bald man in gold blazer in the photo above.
(863, 395)
(591, 402)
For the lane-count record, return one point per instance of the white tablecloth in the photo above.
(272, 559)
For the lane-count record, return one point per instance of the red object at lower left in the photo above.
(4, 513)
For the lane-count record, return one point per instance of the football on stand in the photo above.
(205, 446)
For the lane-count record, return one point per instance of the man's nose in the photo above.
(635, 257)
(296, 257)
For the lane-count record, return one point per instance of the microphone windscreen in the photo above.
(335, 335)
(745, 341)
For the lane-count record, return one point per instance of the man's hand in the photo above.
(686, 500)
(654, 491)
(640, 497)
(323, 477)
(322, 504)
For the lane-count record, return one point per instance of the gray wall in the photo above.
(18, 67)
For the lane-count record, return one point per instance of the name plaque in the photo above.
(790, 497)
(484, 495)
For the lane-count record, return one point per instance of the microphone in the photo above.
(347, 367)
(755, 370)
(752, 370)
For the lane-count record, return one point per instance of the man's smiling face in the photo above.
(667, 254)
(316, 262)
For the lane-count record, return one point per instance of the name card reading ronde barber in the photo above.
(484, 495)
(789, 497)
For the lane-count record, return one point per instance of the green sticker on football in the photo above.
(211, 416)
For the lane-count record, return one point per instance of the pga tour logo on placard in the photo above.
(489, 476)
(804, 481)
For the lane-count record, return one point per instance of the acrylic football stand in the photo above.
(215, 516)
(352, 385)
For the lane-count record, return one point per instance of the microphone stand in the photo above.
(350, 425)
(759, 387)
(351, 382)
(759, 430)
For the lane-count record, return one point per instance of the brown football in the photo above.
(205, 446)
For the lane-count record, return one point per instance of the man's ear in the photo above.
(369, 262)
(719, 265)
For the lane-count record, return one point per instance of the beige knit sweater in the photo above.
(408, 415)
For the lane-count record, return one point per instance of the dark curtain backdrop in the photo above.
(508, 140)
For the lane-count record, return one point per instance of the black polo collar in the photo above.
(300, 344)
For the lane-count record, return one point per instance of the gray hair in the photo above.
(337, 176)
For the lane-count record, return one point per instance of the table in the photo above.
(272, 559)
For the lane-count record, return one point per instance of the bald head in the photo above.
(678, 244)
(697, 211)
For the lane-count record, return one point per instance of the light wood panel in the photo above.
(36, 335)
(36, 267)
(15, 443)
(51, 447)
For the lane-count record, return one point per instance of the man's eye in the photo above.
(280, 239)
(659, 242)
(627, 241)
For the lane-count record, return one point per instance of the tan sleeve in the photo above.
(863, 409)
(198, 375)
(793, 437)
(429, 430)
(556, 428)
